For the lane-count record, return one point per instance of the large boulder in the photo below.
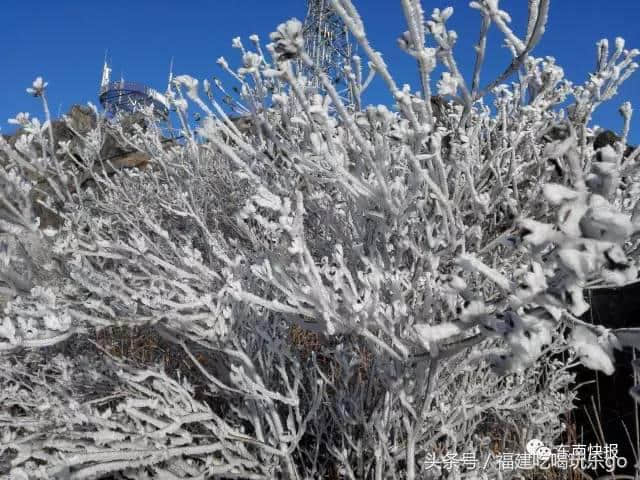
(73, 128)
(78, 122)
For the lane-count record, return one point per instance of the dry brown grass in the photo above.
(138, 345)
(144, 347)
(306, 343)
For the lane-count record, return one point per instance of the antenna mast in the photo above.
(327, 40)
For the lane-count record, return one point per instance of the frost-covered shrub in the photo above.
(354, 289)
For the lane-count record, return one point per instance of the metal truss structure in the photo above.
(327, 40)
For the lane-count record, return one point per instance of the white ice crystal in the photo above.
(591, 351)
(437, 333)
(37, 88)
(448, 84)
(8, 330)
(316, 267)
(288, 40)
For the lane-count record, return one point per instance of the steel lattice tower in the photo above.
(327, 39)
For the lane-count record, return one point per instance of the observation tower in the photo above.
(128, 97)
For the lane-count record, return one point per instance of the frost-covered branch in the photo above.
(348, 289)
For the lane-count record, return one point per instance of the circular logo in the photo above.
(544, 453)
(533, 445)
(536, 448)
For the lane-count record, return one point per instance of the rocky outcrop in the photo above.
(73, 128)
(77, 123)
(80, 120)
(114, 164)
(607, 137)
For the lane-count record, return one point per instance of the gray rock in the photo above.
(73, 128)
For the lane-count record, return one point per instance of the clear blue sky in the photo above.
(65, 41)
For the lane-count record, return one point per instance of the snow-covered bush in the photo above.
(354, 289)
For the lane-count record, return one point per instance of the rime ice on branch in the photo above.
(350, 288)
